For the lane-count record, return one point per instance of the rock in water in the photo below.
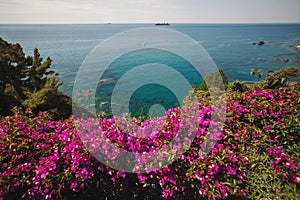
(286, 60)
(260, 42)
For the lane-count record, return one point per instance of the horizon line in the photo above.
(116, 23)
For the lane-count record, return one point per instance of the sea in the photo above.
(231, 47)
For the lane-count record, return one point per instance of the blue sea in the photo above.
(229, 45)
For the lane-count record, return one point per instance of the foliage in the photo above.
(264, 183)
(237, 86)
(216, 79)
(13, 67)
(27, 82)
(275, 80)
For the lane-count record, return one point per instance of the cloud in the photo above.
(124, 11)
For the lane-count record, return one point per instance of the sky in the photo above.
(149, 11)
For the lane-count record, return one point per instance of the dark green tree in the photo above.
(37, 78)
(26, 82)
(13, 72)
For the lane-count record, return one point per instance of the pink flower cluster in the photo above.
(284, 164)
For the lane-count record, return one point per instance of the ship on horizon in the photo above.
(162, 24)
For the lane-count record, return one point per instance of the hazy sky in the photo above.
(149, 11)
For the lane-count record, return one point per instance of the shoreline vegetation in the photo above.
(28, 82)
(43, 154)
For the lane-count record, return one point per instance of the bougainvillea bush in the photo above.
(266, 125)
(46, 159)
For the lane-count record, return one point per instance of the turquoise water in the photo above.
(229, 45)
(150, 94)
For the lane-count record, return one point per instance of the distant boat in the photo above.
(162, 24)
(108, 23)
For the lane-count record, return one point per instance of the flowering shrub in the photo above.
(267, 121)
(43, 159)
(272, 122)
(46, 159)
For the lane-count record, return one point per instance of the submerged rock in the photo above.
(105, 80)
(104, 105)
